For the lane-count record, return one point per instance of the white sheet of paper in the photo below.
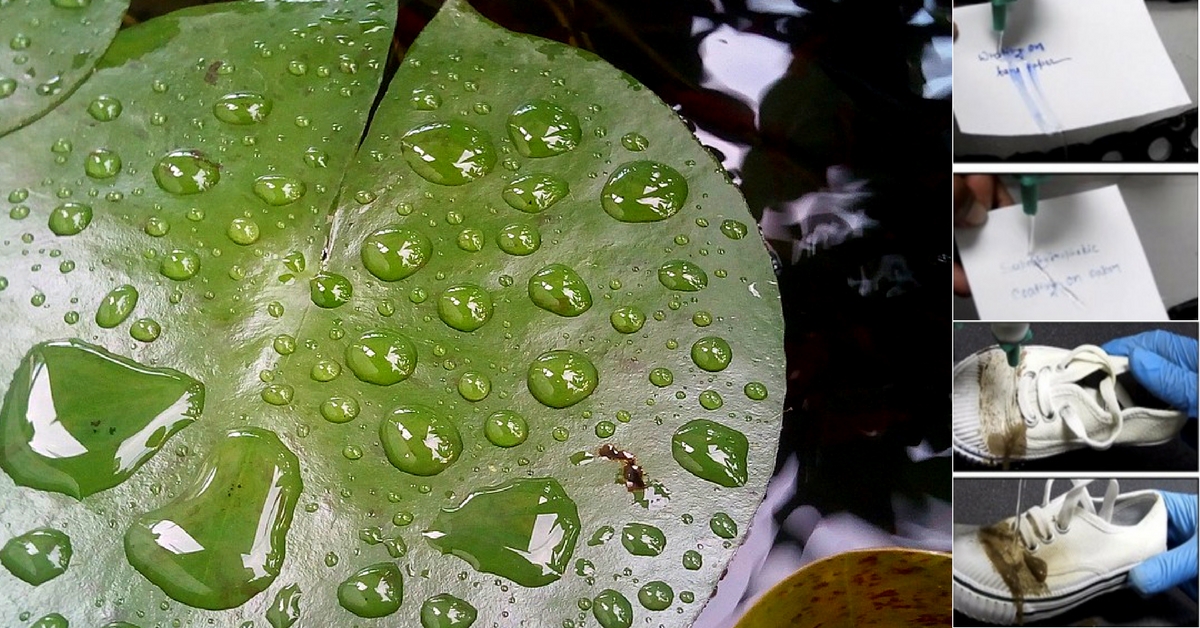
(1087, 263)
(1065, 65)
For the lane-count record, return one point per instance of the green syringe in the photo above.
(1000, 21)
(1029, 201)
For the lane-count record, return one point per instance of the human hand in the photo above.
(1177, 565)
(1164, 363)
(974, 195)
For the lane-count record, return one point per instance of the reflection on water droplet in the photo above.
(661, 377)
(330, 290)
(419, 440)
(70, 219)
(540, 128)
(243, 231)
(627, 319)
(81, 420)
(180, 265)
(465, 307)
(656, 595)
(470, 240)
(394, 253)
(425, 99)
(447, 611)
(156, 227)
(145, 330)
(711, 452)
(524, 530)
(644, 191)
(635, 142)
(105, 108)
(474, 386)
(212, 562)
(278, 394)
(278, 190)
(534, 193)
(682, 275)
(519, 239)
(116, 306)
(561, 379)
(711, 400)
(242, 108)
(559, 289)
(723, 525)
(448, 153)
(102, 164)
(641, 539)
(755, 391)
(733, 229)
(38, 555)
(325, 370)
(374, 591)
(612, 609)
(381, 357)
(692, 560)
(285, 610)
(712, 354)
(339, 409)
(53, 620)
(702, 319)
(506, 428)
(186, 172)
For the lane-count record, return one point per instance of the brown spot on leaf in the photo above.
(632, 473)
(210, 76)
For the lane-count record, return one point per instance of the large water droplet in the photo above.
(559, 289)
(374, 591)
(285, 610)
(78, 419)
(524, 530)
(393, 253)
(755, 391)
(339, 409)
(105, 108)
(682, 275)
(733, 229)
(656, 595)
(635, 142)
(643, 540)
(447, 611)
(712, 354)
(711, 400)
(505, 428)
(465, 307)
(534, 193)
(330, 290)
(278, 190)
(661, 377)
(627, 319)
(180, 265)
(474, 386)
(116, 306)
(712, 452)
(186, 172)
(519, 239)
(381, 357)
(223, 539)
(612, 609)
(53, 620)
(540, 128)
(644, 191)
(448, 153)
(419, 440)
(70, 218)
(561, 379)
(723, 525)
(102, 164)
(242, 108)
(38, 555)
(243, 231)
(692, 560)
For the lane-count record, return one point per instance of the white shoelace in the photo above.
(1045, 381)
(1039, 526)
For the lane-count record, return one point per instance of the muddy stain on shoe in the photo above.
(1000, 417)
(1023, 573)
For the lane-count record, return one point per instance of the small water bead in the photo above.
(733, 229)
(712, 354)
(242, 108)
(331, 559)
(330, 290)
(38, 299)
(425, 99)
(297, 67)
(419, 440)
(145, 330)
(535, 193)
(278, 190)
(627, 319)
(374, 591)
(656, 595)
(519, 239)
(644, 191)
(605, 429)
(18, 195)
(635, 142)
(325, 370)
(20, 41)
(642, 539)
(184, 172)
(505, 428)
(711, 400)
(692, 560)
(561, 379)
(402, 518)
(540, 128)
(315, 157)
(612, 609)
(71, 317)
(105, 108)
(465, 307)
(755, 391)
(418, 295)
(702, 319)
(284, 344)
(559, 289)
(102, 164)
(156, 227)
(672, 344)
(711, 452)
(682, 275)
(278, 394)
(116, 306)
(470, 240)
(448, 153)
(482, 108)
(37, 556)
(661, 377)
(447, 611)
(180, 265)
(352, 452)
(687, 597)
(7, 87)
(382, 358)
(339, 409)
(474, 386)
(723, 525)
(70, 219)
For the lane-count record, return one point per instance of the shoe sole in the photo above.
(973, 601)
(961, 449)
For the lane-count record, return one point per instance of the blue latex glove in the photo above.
(1177, 565)
(1164, 363)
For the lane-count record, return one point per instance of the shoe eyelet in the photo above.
(1029, 375)
(1032, 548)
(1060, 367)
(1061, 530)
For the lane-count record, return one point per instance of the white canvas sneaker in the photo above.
(1054, 557)
(1056, 400)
